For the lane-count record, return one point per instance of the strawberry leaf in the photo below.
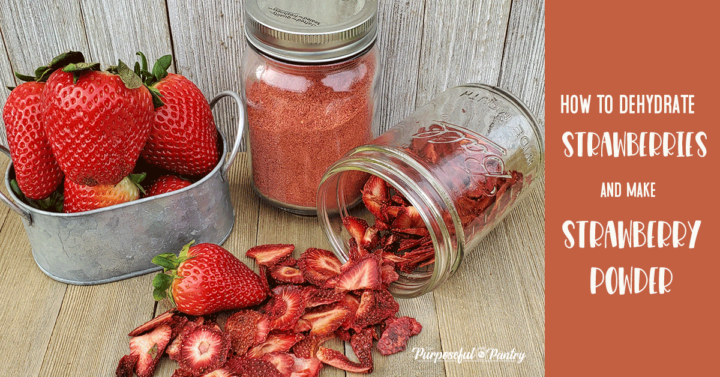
(131, 80)
(70, 57)
(25, 78)
(167, 261)
(143, 59)
(155, 94)
(76, 69)
(161, 66)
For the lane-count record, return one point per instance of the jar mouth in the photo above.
(448, 241)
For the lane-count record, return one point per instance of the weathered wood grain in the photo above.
(462, 42)
(208, 43)
(6, 79)
(145, 28)
(30, 300)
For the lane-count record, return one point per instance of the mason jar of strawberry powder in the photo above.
(437, 183)
(309, 83)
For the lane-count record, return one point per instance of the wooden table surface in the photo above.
(496, 299)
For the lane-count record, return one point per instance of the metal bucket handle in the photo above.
(10, 203)
(228, 163)
(240, 127)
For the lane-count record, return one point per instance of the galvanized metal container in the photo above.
(118, 242)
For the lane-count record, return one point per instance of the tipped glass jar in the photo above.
(309, 83)
(462, 162)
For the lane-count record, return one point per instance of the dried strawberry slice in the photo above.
(420, 232)
(286, 306)
(388, 274)
(340, 361)
(375, 306)
(263, 278)
(275, 342)
(269, 255)
(399, 200)
(249, 367)
(396, 334)
(126, 366)
(263, 329)
(149, 348)
(307, 347)
(409, 243)
(393, 211)
(306, 367)
(319, 296)
(242, 327)
(282, 361)
(287, 274)
(355, 252)
(352, 303)
(326, 320)
(392, 258)
(164, 318)
(375, 195)
(356, 227)
(363, 274)
(361, 344)
(288, 261)
(173, 350)
(370, 238)
(343, 334)
(381, 225)
(302, 326)
(318, 265)
(203, 350)
(408, 217)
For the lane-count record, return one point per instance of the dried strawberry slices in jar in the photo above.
(436, 183)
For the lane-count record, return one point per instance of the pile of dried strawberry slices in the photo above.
(311, 300)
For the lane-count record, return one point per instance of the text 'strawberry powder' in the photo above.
(302, 119)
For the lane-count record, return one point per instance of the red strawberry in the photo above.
(318, 265)
(126, 366)
(183, 138)
(162, 319)
(149, 348)
(340, 361)
(276, 342)
(36, 169)
(269, 255)
(96, 122)
(165, 184)
(242, 327)
(362, 274)
(326, 320)
(80, 198)
(397, 332)
(282, 361)
(286, 307)
(286, 274)
(204, 350)
(206, 279)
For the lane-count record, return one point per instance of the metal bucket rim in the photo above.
(33, 210)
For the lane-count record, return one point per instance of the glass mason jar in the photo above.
(462, 161)
(308, 80)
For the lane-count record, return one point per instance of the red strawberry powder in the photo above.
(304, 118)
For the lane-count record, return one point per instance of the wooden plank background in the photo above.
(496, 299)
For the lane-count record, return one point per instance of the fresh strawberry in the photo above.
(286, 274)
(361, 344)
(96, 122)
(36, 169)
(362, 274)
(183, 138)
(207, 279)
(318, 265)
(307, 347)
(204, 350)
(276, 342)
(242, 327)
(396, 334)
(340, 361)
(149, 348)
(126, 366)
(356, 227)
(375, 307)
(286, 307)
(376, 195)
(167, 183)
(269, 255)
(80, 198)
(162, 319)
(326, 320)
(305, 367)
(282, 361)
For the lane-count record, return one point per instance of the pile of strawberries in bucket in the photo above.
(81, 138)
(289, 311)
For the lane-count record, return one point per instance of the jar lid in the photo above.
(311, 31)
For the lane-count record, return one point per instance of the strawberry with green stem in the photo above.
(80, 198)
